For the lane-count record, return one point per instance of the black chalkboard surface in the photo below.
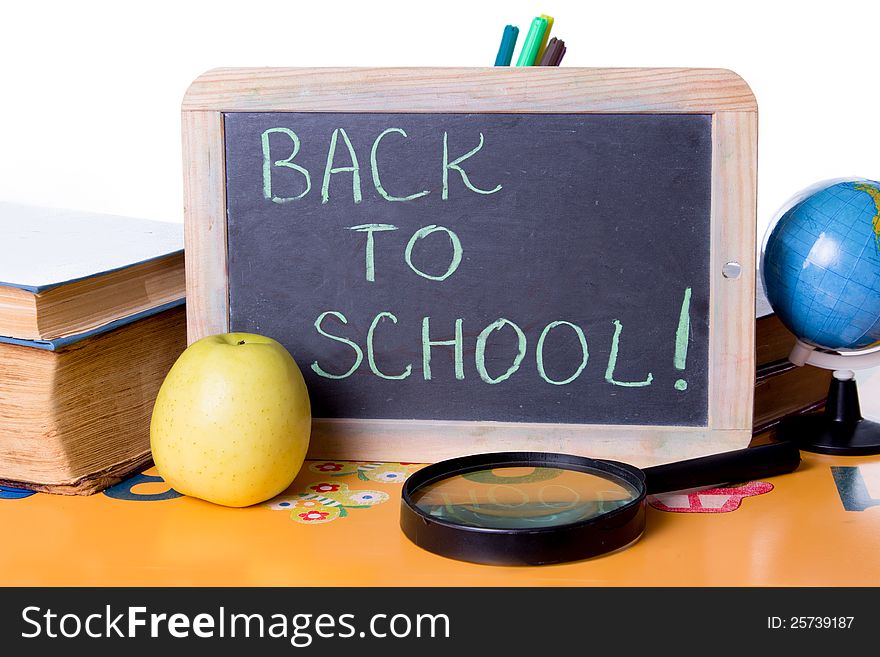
(506, 267)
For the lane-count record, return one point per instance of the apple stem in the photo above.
(241, 342)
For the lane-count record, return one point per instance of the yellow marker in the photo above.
(546, 36)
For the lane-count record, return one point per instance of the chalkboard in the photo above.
(467, 260)
(565, 256)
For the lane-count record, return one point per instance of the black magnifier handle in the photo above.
(741, 465)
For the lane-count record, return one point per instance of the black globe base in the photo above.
(815, 433)
(840, 429)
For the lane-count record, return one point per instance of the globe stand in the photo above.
(840, 429)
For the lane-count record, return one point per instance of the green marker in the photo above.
(532, 43)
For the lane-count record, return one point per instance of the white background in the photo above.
(91, 90)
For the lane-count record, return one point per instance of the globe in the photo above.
(821, 271)
(821, 266)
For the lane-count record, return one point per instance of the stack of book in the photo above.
(91, 320)
(781, 388)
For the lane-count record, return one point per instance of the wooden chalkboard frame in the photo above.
(720, 93)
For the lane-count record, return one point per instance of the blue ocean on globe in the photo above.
(821, 266)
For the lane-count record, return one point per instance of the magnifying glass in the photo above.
(533, 508)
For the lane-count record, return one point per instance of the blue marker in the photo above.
(508, 42)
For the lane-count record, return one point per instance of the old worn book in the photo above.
(781, 388)
(91, 320)
(75, 416)
(63, 273)
(788, 390)
(773, 341)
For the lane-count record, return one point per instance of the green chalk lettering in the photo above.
(427, 343)
(369, 229)
(540, 352)
(480, 354)
(682, 335)
(359, 355)
(374, 166)
(612, 363)
(329, 169)
(288, 162)
(447, 165)
(371, 354)
(424, 232)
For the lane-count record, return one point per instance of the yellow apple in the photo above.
(232, 420)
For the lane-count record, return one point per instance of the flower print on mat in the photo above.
(324, 502)
(384, 473)
(317, 516)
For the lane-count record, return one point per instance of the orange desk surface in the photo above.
(344, 531)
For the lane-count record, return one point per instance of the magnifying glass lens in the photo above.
(514, 497)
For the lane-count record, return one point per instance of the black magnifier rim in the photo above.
(524, 546)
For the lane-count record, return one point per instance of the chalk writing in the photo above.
(374, 168)
(329, 170)
(478, 266)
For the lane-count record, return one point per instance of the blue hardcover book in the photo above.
(67, 275)
(101, 298)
